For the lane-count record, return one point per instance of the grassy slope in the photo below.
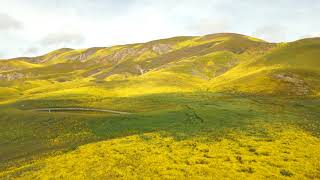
(298, 60)
(10, 65)
(175, 101)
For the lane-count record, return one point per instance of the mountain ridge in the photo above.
(214, 59)
(148, 42)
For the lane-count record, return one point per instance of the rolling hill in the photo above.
(220, 105)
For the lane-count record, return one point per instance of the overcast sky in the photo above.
(34, 27)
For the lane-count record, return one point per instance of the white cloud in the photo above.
(311, 35)
(272, 33)
(1, 55)
(9, 23)
(31, 51)
(62, 39)
(207, 26)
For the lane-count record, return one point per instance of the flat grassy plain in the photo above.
(221, 106)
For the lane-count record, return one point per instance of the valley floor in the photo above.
(174, 136)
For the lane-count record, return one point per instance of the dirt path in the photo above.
(81, 109)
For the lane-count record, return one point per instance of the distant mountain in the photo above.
(216, 62)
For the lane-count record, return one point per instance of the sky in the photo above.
(35, 27)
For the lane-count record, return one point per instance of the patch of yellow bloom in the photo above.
(283, 154)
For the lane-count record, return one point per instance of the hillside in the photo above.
(194, 107)
(213, 59)
(290, 68)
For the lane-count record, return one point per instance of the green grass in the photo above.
(178, 115)
(27, 134)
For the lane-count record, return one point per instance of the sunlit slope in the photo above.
(179, 64)
(289, 69)
(218, 62)
(137, 59)
(15, 64)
